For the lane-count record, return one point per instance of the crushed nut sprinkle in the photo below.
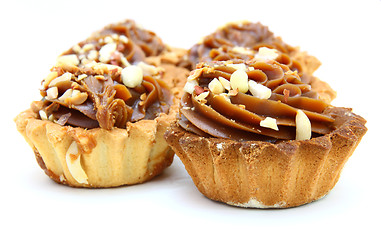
(269, 122)
(132, 76)
(303, 126)
(239, 80)
(263, 99)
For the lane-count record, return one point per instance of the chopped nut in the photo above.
(52, 93)
(225, 83)
(303, 126)
(66, 77)
(106, 51)
(87, 47)
(265, 53)
(77, 97)
(198, 90)
(143, 96)
(123, 39)
(215, 86)
(233, 92)
(73, 161)
(76, 48)
(190, 85)
(286, 94)
(81, 77)
(70, 59)
(132, 76)
(102, 68)
(100, 77)
(259, 90)
(124, 61)
(115, 36)
(243, 50)
(43, 115)
(269, 122)
(195, 74)
(239, 80)
(66, 95)
(148, 69)
(226, 97)
(108, 39)
(49, 78)
(202, 96)
(51, 118)
(93, 54)
(237, 66)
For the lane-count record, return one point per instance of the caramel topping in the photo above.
(238, 41)
(95, 96)
(111, 49)
(262, 103)
(147, 40)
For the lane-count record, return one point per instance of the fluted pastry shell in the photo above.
(109, 158)
(261, 174)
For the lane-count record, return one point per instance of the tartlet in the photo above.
(106, 105)
(253, 134)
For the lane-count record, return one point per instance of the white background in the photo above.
(344, 35)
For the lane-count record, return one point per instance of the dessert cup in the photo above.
(252, 134)
(105, 107)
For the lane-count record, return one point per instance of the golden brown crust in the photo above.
(109, 158)
(266, 175)
(326, 93)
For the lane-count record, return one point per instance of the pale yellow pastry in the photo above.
(106, 105)
(122, 145)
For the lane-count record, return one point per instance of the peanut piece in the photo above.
(70, 59)
(132, 76)
(269, 122)
(73, 161)
(66, 77)
(77, 97)
(225, 83)
(148, 69)
(52, 93)
(265, 53)
(215, 86)
(239, 80)
(202, 96)
(190, 85)
(303, 126)
(237, 66)
(51, 76)
(106, 51)
(259, 90)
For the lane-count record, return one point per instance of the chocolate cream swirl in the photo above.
(147, 40)
(101, 95)
(268, 91)
(236, 40)
(104, 81)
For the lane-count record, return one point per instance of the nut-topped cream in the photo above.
(243, 40)
(259, 99)
(104, 81)
(101, 95)
(112, 49)
(237, 40)
(147, 40)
